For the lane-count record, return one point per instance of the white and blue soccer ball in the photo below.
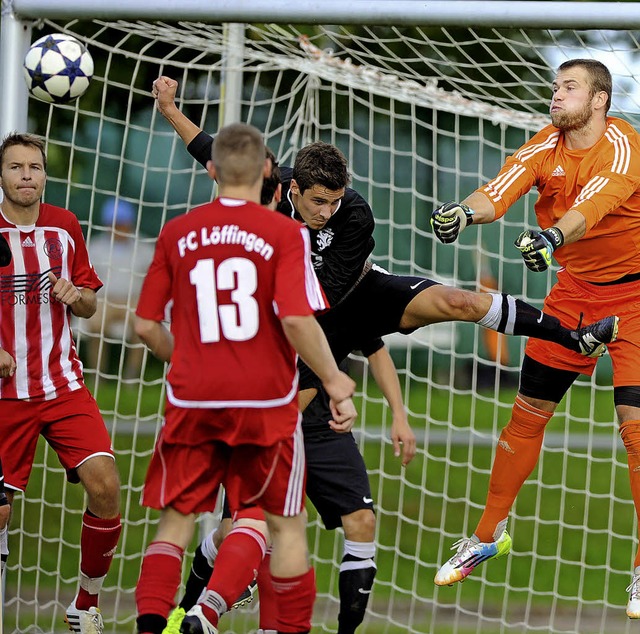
(58, 68)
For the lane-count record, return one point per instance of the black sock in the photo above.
(356, 581)
(197, 581)
(519, 318)
(151, 623)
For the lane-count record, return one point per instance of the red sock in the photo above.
(98, 542)
(295, 601)
(267, 595)
(516, 456)
(237, 565)
(159, 579)
(630, 433)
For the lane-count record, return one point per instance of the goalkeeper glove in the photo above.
(449, 220)
(538, 247)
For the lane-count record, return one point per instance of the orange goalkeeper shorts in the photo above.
(568, 298)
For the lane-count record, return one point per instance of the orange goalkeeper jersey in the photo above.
(601, 182)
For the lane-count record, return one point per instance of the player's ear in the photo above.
(294, 187)
(277, 195)
(212, 171)
(268, 168)
(601, 99)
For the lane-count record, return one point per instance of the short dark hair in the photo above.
(321, 164)
(18, 138)
(270, 184)
(599, 75)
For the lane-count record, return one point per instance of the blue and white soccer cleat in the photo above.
(471, 553)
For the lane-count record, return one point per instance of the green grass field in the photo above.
(574, 509)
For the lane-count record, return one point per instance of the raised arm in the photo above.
(164, 91)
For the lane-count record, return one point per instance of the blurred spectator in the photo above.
(121, 262)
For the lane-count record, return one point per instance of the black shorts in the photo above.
(337, 480)
(373, 309)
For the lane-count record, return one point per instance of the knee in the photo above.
(527, 420)
(103, 492)
(461, 305)
(359, 526)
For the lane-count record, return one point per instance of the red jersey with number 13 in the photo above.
(232, 269)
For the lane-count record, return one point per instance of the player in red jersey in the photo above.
(49, 279)
(243, 293)
(586, 168)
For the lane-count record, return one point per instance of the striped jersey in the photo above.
(231, 270)
(35, 328)
(601, 182)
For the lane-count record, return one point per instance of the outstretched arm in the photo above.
(450, 219)
(386, 376)
(483, 210)
(164, 91)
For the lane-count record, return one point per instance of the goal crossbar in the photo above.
(604, 15)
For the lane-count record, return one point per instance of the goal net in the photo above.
(424, 115)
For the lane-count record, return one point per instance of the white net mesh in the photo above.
(424, 116)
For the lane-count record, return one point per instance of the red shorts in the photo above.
(567, 299)
(187, 468)
(71, 424)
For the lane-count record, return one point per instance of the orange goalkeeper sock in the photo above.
(630, 434)
(516, 456)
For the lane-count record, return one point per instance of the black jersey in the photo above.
(341, 248)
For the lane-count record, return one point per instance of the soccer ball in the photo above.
(58, 68)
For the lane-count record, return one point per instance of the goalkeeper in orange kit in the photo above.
(586, 167)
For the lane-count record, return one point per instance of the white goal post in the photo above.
(426, 99)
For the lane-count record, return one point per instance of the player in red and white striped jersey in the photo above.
(243, 294)
(49, 278)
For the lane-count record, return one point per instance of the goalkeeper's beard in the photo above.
(570, 121)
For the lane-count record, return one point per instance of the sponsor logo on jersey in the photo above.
(324, 238)
(29, 288)
(28, 242)
(558, 171)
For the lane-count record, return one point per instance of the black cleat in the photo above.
(246, 597)
(593, 339)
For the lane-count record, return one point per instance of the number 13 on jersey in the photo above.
(237, 321)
